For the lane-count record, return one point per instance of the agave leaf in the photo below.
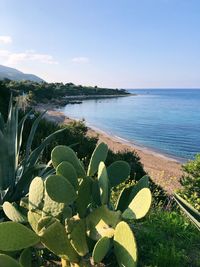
(11, 143)
(20, 133)
(36, 153)
(32, 133)
(4, 163)
(191, 212)
(2, 123)
(23, 184)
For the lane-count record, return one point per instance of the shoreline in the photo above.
(163, 169)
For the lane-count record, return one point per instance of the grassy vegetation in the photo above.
(167, 238)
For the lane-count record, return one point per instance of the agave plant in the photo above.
(70, 213)
(15, 174)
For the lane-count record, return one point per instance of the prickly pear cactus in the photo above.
(71, 213)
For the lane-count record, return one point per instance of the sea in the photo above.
(166, 121)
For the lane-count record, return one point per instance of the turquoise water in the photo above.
(167, 121)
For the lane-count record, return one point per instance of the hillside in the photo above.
(14, 74)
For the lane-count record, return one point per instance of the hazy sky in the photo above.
(111, 43)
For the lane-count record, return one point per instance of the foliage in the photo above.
(74, 134)
(191, 182)
(16, 172)
(193, 214)
(4, 99)
(74, 210)
(44, 92)
(166, 238)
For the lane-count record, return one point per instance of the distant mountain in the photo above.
(14, 74)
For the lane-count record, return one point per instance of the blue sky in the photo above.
(110, 43)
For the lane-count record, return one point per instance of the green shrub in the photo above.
(191, 182)
(167, 239)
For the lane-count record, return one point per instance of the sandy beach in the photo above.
(164, 170)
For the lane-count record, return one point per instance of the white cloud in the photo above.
(5, 39)
(80, 59)
(29, 55)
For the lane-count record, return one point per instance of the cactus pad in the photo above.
(33, 218)
(99, 154)
(65, 153)
(36, 194)
(7, 261)
(103, 183)
(44, 223)
(52, 207)
(118, 172)
(125, 247)
(101, 248)
(128, 193)
(139, 206)
(67, 170)
(78, 237)
(101, 222)
(60, 190)
(15, 236)
(26, 258)
(84, 196)
(56, 240)
(13, 213)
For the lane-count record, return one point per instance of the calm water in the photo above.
(167, 121)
